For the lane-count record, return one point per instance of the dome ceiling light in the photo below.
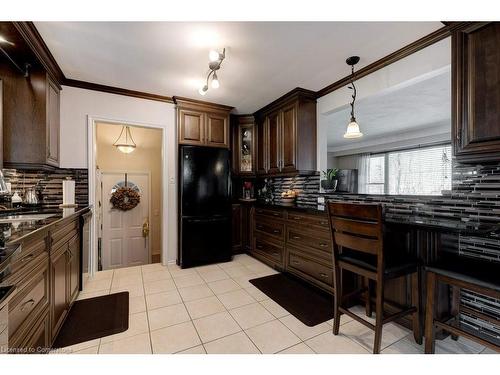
(215, 61)
(125, 143)
(353, 127)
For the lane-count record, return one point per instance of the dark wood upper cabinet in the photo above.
(202, 124)
(476, 92)
(243, 145)
(274, 144)
(31, 119)
(286, 143)
(261, 145)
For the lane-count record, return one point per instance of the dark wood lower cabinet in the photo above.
(47, 276)
(59, 289)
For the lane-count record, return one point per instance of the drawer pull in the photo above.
(259, 247)
(295, 262)
(30, 302)
(259, 226)
(323, 244)
(27, 257)
(323, 274)
(259, 211)
(276, 214)
(296, 237)
(276, 254)
(276, 231)
(323, 222)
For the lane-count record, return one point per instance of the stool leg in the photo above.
(337, 285)
(379, 318)
(455, 306)
(417, 302)
(368, 303)
(429, 314)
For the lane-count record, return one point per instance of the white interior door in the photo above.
(123, 243)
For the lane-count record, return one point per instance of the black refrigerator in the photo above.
(204, 206)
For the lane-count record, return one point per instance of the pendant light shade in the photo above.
(353, 130)
(125, 143)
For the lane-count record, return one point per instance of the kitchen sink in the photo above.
(26, 217)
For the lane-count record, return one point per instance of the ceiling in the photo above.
(264, 60)
(413, 109)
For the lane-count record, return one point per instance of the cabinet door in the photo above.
(59, 295)
(191, 127)
(246, 149)
(73, 269)
(217, 130)
(52, 123)
(236, 229)
(289, 138)
(476, 90)
(274, 145)
(262, 147)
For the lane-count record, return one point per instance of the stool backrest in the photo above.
(356, 226)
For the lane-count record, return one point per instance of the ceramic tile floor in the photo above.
(214, 309)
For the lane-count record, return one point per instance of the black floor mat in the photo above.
(310, 305)
(94, 318)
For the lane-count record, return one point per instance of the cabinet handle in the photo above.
(276, 254)
(276, 231)
(27, 257)
(323, 274)
(260, 247)
(323, 244)
(30, 302)
(323, 222)
(295, 262)
(296, 237)
(275, 214)
(259, 226)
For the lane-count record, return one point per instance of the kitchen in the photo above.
(356, 214)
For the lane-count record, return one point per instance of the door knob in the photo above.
(145, 228)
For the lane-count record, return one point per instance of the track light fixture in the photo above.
(215, 60)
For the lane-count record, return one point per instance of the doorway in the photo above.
(128, 235)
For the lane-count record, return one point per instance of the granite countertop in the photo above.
(17, 231)
(414, 220)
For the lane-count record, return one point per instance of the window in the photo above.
(423, 171)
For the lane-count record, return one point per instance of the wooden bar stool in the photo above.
(461, 272)
(358, 247)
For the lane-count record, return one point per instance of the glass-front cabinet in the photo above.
(244, 145)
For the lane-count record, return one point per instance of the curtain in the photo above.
(363, 166)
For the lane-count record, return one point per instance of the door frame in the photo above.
(141, 172)
(165, 186)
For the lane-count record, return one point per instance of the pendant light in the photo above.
(125, 143)
(353, 127)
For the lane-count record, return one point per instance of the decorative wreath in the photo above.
(125, 198)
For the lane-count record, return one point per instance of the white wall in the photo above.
(78, 105)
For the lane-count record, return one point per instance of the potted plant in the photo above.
(329, 181)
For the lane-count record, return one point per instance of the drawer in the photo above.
(28, 254)
(278, 214)
(315, 239)
(270, 250)
(306, 219)
(308, 266)
(62, 232)
(30, 301)
(273, 229)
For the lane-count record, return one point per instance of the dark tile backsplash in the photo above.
(49, 184)
(475, 197)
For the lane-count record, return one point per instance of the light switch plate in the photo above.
(321, 200)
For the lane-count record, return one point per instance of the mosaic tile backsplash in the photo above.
(475, 197)
(49, 184)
